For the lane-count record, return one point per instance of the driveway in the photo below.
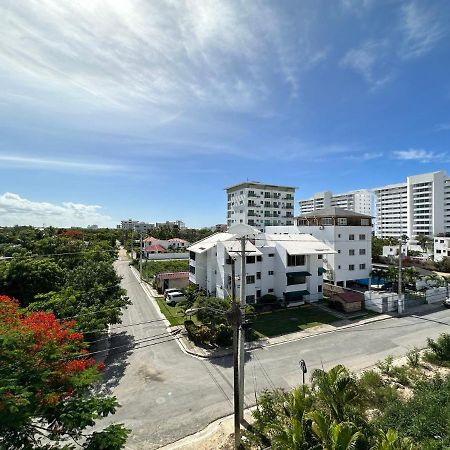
(166, 394)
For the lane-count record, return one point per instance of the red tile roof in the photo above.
(155, 248)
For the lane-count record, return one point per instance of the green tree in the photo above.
(424, 241)
(46, 381)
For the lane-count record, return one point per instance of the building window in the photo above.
(298, 279)
(295, 260)
(258, 275)
(339, 235)
(270, 291)
(326, 221)
(192, 269)
(250, 259)
(339, 251)
(339, 267)
(271, 255)
(319, 288)
(270, 272)
(351, 252)
(362, 237)
(362, 251)
(438, 251)
(319, 256)
(351, 267)
(351, 237)
(250, 279)
(250, 299)
(342, 221)
(258, 293)
(365, 222)
(192, 256)
(362, 266)
(259, 258)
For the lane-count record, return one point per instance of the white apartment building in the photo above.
(259, 205)
(419, 206)
(359, 201)
(441, 248)
(289, 266)
(348, 233)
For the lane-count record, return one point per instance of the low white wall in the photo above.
(436, 295)
(374, 300)
(162, 256)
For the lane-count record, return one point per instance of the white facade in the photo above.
(350, 237)
(419, 206)
(259, 205)
(359, 201)
(441, 248)
(289, 266)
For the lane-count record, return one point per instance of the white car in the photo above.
(175, 297)
(169, 291)
(446, 302)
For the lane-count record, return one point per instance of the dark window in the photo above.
(319, 288)
(270, 272)
(362, 237)
(258, 275)
(270, 290)
(271, 255)
(192, 256)
(299, 279)
(258, 293)
(351, 237)
(351, 267)
(351, 252)
(259, 258)
(250, 260)
(295, 260)
(362, 251)
(250, 298)
(362, 266)
(250, 279)
(228, 260)
(192, 269)
(319, 256)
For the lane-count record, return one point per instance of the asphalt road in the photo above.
(166, 394)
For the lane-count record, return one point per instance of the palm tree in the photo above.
(411, 275)
(392, 274)
(336, 389)
(390, 440)
(334, 435)
(424, 241)
(436, 279)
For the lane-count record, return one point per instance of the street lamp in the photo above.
(401, 306)
(303, 368)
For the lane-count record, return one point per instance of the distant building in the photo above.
(175, 224)
(220, 228)
(289, 267)
(421, 205)
(441, 248)
(144, 227)
(152, 249)
(178, 243)
(259, 205)
(348, 233)
(359, 201)
(92, 227)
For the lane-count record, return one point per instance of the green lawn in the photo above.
(291, 320)
(174, 314)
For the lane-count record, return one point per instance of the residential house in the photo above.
(169, 280)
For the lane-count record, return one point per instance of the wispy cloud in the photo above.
(420, 155)
(422, 27)
(366, 156)
(58, 164)
(16, 210)
(368, 60)
(443, 126)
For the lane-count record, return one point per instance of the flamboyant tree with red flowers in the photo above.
(46, 376)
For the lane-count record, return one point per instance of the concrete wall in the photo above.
(436, 295)
(381, 302)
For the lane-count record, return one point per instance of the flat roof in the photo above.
(333, 211)
(260, 185)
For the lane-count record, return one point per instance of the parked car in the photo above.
(169, 291)
(175, 297)
(446, 302)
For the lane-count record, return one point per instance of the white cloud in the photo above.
(160, 57)
(443, 126)
(368, 61)
(421, 155)
(422, 27)
(16, 210)
(57, 164)
(366, 156)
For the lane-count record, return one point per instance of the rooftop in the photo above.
(260, 185)
(333, 211)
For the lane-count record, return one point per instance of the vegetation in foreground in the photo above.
(391, 408)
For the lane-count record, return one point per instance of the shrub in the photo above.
(439, 350)
(385, 366)
(198, 334)
(223, 336)
(400, 373)
(413, 357)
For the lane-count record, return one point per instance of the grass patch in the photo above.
(174, 314)
(151, 268)
(291, 320)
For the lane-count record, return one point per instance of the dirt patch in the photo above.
(149, 374)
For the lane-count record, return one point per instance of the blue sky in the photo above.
(117, 109)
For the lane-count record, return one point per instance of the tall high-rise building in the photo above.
(359, 201)
(419, 206)
(258, 204)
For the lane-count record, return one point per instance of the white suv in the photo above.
(175, 297)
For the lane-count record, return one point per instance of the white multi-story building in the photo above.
(348, 233)
(258, 205)
(359, 201)
(419, 206)
(289, 266)
(441, 248)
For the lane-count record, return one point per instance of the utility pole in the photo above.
(131, 245)
(241, 349)
(401, 305)
(140, 259)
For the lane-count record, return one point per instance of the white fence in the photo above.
(381, 302)
(164, 256)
